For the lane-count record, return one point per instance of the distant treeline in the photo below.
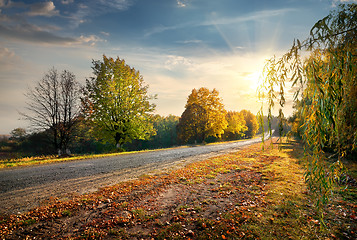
(22, 144)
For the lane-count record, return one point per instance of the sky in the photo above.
(177, 45)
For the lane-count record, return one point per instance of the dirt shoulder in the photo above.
(20, 201)
(246, 194)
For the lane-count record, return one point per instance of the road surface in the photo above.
(24, 188)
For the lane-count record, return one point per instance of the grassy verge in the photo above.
(249, 194)
(28, 161)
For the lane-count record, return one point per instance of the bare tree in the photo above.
(53, 104)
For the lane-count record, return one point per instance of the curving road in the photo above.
(88, 175)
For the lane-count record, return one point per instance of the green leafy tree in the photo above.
(166, 134)
(204, 116)
(116, 99)
(251, 123)
(325, 94)
(236, 126)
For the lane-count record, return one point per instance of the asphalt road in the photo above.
(35, 176)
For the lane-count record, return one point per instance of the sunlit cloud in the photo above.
(19, 30)
(173, 62)
(91, 39)
(47, 9)
(67, 1)
(182, 3)
(105, 33)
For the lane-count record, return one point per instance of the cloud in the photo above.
(65, 2)
(216, 20)
(105, 33)
(174, 61)
(46, 9)
(17, 28)
(182, 3)
(116, 4)
(161, 28)
(11, 4)
(25, 32)
(254, 16)
(91, 39)
(92, 8)
(6, 53)
(8, 60)
(193, 41)
(80, 15)
(32, 33)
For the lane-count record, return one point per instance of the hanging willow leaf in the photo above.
(326, 98)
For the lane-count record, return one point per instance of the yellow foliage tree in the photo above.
(251, 123)
(236, 126)
(204, 116)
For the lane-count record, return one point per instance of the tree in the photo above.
(18, 133)
(251, 123)
(116, 100)
(54, 105)
(166, 134)
(325, 94)
(236, 126)
(204, 116)
(86, 141)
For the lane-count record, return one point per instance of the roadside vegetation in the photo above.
(37, 160)
(250, 194)
(28, 161)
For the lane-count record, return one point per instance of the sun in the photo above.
(254, 79)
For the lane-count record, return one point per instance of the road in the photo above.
(37, 183)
